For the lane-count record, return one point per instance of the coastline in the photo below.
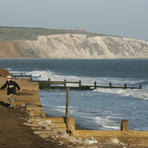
(35, 129)
(17, 134)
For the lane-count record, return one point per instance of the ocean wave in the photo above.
(107, 122)
(140, 94)
(91, 117)
(134, 93)
(85, 80)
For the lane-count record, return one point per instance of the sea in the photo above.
(101, 108)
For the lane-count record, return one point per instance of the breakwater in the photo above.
(77, 85)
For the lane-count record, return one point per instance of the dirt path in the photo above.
(13, 134)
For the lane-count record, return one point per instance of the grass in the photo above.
(24, 33)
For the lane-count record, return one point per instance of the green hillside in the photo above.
(24, 33)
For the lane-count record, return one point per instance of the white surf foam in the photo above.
(134, 93)
(85, 80)
(107, 123)
(140, 94)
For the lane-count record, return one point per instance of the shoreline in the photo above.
(74, 59)
(77, 126)
(44, 130)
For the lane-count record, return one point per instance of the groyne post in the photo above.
(140, 86)
(124, 125)
(49, 82)
(31, 77)
(12, 75)
(125, 86)
(21, 75)
(64, 83)
(110, 84)
(95, 85)
(67, 111)
(80, 85)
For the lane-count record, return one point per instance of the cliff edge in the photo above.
(72, 45)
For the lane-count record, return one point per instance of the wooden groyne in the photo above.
(125, 135)
(23, 76)
(31, 99)
(77, 85)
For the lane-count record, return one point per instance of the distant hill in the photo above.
(20, 42)
(24, 33)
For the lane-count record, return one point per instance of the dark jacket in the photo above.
(11, 87)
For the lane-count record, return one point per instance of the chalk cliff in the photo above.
(75, 46)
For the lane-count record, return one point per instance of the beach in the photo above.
(31, 119)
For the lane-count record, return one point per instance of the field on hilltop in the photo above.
(25, 33)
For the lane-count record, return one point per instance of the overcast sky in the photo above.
(127, 18)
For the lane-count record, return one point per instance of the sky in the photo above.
(127, 18)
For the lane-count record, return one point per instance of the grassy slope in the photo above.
(23, 33)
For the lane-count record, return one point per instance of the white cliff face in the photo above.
(83, 46)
